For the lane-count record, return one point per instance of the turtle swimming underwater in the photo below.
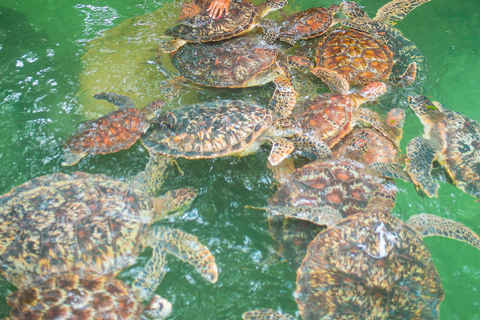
(113, 132)
(372, 49)
(450, 138)
(371, 265)
(82, 295)
(59, 222)
(243, 17)
(224, 128)
(237, 63)
(305, 24)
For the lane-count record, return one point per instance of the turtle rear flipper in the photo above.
(115, 98)
(420, 157)
(72, 158)
(324, 215)
(284, 97)
(427, 225)
(266, 314)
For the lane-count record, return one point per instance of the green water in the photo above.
(42, 99)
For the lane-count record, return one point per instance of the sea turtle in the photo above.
(243, 17)
(371, 265)
(372, 49)
(379, 154)
(237, 63)
(450, 138)
(58, 222)
(305, 24)
(77, 294)
(224, 128)
(113, 132)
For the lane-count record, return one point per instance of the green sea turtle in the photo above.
(112, 132)
(305, 24)
(59, 222)
(450, 138)
(243, 17)
(370, 265)
(224, 128)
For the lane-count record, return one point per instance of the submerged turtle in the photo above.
(371, 265)
(59, 222)
(82, 295)
(237, 63)
(372, 148)
(113, 132)
(224, 128)
(377, 49)
(243, 17)
(450, 138)
(305, 24)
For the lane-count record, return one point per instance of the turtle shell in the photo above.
(240, 62)
(369, 266)
(208, 130)
(328, 116)
(342, 185)
(73, 295)
(306, 24)
(202, 28)
(355, 55)
(57, 222)
(113, 132)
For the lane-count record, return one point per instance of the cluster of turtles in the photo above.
(64, 238)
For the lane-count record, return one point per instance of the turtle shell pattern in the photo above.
(208, 130)
(306, 24)
(56, 222)
(113, 132)
(328, 117)
(71, 295)
(353, 271)
(229, 64)
(355, 55)
(341, 184)
(202, 28)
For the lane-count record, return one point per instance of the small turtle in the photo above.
(82, 295)
(371, 265)
(305, 24)
(113, 132)
(377, 49)
(450, 138)
(331, 116)
(59, 222)
(372, 148)
(238, 63)
(243, 17)
(225, 128)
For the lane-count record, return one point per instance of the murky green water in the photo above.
(44, 94)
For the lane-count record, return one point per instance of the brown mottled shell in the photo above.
(354, 269)
(328, 117)
(211, 129)
(113, 132)
(229, 64)
(306, 24)
(69, 296)
(357, 56)
(57, 222)
(202, 28)
(342, 185)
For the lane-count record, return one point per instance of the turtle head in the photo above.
(353, 11)
(275, 4)
(333, 9)
(428, 111)
(157, 308)
(153, 108)
(284, 127)
(373, 91)
(395, 118)
(170, 44)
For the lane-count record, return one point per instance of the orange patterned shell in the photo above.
(328, 117)
(113, 132)
(306, 24)
(357, 56)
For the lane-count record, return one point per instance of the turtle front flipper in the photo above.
(281, 148)
(284, 97)
(152, 178)
(409, 76)
(324, 215)
(420, 157)
(396, 10)
(334, 81)
(389, 170)
(169, 44)
(316, 146)
(427, 225)
(266, 314)
(115, 98)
